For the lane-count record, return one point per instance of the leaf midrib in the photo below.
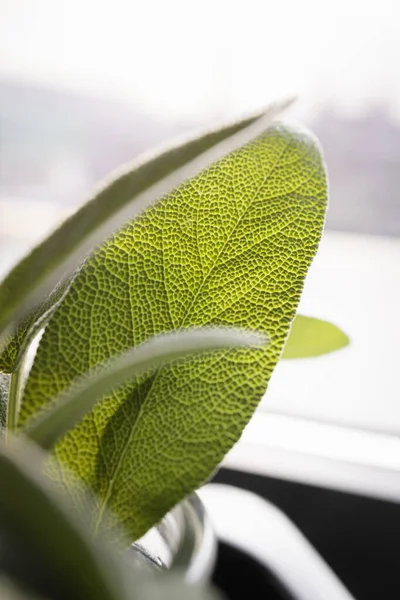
(229, 237)
(110, 486)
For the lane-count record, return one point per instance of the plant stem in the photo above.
(14, 398)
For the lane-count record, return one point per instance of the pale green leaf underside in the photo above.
(38, 521)
(230, 247)
(312, 337)
(39, 532)
(73, 404)
(132, 190)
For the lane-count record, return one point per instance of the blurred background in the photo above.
(86, 85)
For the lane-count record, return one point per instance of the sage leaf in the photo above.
(36, 520)
(8, 591)
(231, 247)
(73, 404)
(312, 337)
(17, 345)
(154, 586)
(134, 188)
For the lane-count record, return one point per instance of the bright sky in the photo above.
(207, 58)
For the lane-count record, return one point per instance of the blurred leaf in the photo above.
(9, 591)
(313, 337)
(45, 549)
(230, 247)
(128, 194)
(73, 404)
(171, 587)
(38, 530)
(139, 586)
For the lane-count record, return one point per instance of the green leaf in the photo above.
(8, 591)
(17, 344)
(165, 586)
(39, 532)
(48, 550)
(171, 587)
(74, 403)
(12, 358)
(313, 337)
(230, 247)
(133, 189)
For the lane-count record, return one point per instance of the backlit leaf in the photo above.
(313, 337)
(230, 247)
(74, 403)
(17, 344)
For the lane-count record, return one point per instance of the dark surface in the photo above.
(235, 570)
(358, 536)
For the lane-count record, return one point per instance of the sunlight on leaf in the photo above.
(134, 188)
(73, 404)
(312, 337)
(230, 247)
(18, 344)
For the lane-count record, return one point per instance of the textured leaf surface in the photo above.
(18, 343)
(74, 403)
(132, 190)
(37, 528)
(230, 247)
(312, 337)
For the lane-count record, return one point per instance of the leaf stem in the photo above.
(14, 397)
